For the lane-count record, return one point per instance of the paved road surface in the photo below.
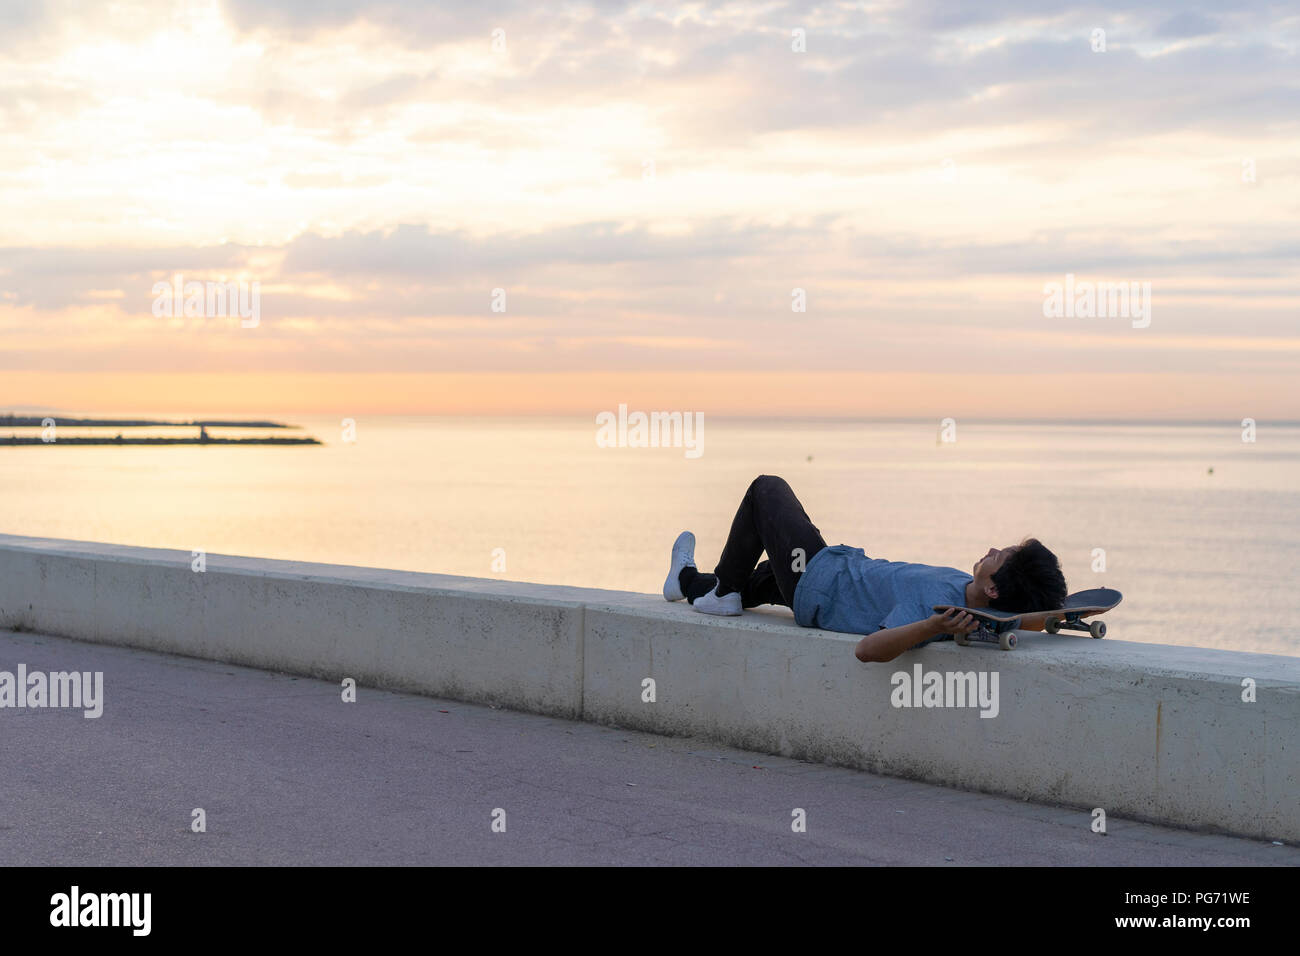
(289, 774)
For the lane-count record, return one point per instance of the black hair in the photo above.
(1029, 580)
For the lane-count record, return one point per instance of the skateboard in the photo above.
(997, 627)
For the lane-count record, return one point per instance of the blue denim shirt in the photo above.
(844, 590)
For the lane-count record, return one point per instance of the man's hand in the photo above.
(953, 621)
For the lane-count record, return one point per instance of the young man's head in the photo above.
(1023, 577)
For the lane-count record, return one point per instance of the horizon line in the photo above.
(30, 410)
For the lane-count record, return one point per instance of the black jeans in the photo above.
(770, 518)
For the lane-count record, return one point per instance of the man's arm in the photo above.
(889, 642)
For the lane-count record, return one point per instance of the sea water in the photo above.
(1199, 529)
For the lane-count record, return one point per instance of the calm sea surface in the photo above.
(1207, 558)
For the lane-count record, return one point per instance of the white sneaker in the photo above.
(726, 605)
(683, 557)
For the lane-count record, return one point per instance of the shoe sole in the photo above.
(672, 587)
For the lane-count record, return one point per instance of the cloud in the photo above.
(416, 21)
(20, 22)
(417, 251)
(579, 277)
(54, 278)
(1186, 24)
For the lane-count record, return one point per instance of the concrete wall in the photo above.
(1157, 733)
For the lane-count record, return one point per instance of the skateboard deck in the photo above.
(997, 627)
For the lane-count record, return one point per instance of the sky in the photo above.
(519, 208)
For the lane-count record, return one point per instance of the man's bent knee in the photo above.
(766, 484)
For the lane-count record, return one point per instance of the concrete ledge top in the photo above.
(1168, 660)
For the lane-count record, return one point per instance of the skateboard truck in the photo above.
(1074, 622)
(1000, 633)
(991, 627)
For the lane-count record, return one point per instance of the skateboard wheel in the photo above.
(961, 639)
(1052, 625)
(1007, 641)
(1097, 628)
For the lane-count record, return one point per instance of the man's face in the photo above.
(988, 565)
